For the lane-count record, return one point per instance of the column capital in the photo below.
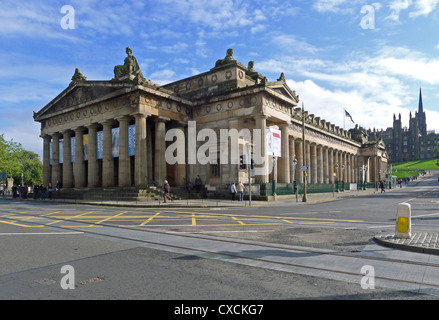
(260, 116)
(67, 132)
(46, 137)
(79, 129)
(107, 122)
(162, 119)
(92, 126)
(124, 118)
(140, 114)
(56, 135)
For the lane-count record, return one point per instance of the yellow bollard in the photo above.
(403, 221)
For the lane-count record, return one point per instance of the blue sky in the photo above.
(334, 54)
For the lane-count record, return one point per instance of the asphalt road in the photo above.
(156, 254)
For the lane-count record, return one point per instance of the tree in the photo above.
(15, 160)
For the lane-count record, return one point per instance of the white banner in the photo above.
(274, 146)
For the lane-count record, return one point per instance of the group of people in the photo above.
(41, 191)
(237, 189)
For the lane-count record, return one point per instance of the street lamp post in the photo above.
(336, 175)
(342, 177)
(294, 178)
(304, 198)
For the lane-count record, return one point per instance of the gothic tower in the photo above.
(397, 139)
(422, 122)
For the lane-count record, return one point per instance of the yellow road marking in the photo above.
(109, 218)
(240, 222)
(150, 219)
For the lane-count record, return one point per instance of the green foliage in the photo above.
(14, 160)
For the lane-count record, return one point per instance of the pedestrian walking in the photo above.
(240, 191)
(382, 186)
(167, 191)
(233, 190)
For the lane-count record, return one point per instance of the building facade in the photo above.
(412, 143)
(116, 132)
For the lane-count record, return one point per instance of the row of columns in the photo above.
(321, 161)
(74, 174)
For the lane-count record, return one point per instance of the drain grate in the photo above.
(92, 280)
(45, 281)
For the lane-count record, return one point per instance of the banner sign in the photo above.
(131, 140)
(274, 146)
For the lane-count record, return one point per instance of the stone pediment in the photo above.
(282, 88)
(80, 95)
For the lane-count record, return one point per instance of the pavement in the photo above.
(424, 242)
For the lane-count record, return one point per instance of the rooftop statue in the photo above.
(78, 76)
(130, 69)
(228, 58)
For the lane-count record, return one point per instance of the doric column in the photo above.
(56, 168)
(93, 171)
(180, 168)
(159, 151)
(260, 152)
(140, 161)
(67, 168)
(107, 159)
(350, 167)
(320, 164)
(314, 163)
(284, 161)
(292, 151)
(47, 174)
(331, 165)
(326, 172)
(124, 160)
(308, 161)
(79, 164)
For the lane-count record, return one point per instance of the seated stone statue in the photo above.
(129, 68)
(228, 58)
(78, 76)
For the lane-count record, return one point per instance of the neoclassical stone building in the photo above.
(112, 133)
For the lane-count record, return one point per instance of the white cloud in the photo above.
(424, 8)
(371, 88)
(290, 43)
(421, 8)
(328, 5)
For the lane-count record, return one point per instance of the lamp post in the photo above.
(336, 175)
(342, 177)
(304, 198)
(294, 178)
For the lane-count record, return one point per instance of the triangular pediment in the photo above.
(282, 88)
(80, 95)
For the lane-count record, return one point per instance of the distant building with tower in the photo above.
(412, 143)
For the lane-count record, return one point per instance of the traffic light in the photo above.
(252, 163)
(242, 162)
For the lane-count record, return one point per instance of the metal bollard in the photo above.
(403, 229)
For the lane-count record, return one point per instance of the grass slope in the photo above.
(408, 169)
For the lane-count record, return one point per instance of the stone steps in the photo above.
(111, 194)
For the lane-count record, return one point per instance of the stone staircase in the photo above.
(110, 194)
